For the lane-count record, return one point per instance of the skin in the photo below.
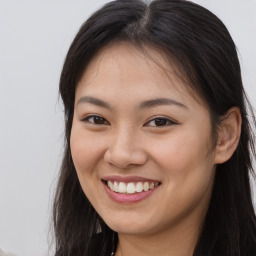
(126, 140)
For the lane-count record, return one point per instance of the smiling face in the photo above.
(138, 129)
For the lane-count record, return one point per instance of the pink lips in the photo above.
(128, 198)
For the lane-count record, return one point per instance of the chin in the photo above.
(130, 225)
(130, 229)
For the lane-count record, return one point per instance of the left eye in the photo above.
(160, 121)
(98, 120)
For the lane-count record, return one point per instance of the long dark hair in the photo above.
(205, 54)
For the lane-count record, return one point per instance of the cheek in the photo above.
(79, 151)
(86, 150)
(188, 175)
(185, 159)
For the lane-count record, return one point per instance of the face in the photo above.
(141, 145)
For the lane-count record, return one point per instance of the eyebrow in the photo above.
(144, 104)
(161, 101)
(94, 101)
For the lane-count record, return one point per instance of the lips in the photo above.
(129, 189)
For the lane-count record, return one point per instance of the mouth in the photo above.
(122, 187)
(129, 190)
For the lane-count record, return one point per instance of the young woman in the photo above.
(158, 147)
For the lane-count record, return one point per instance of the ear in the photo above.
(228, 135)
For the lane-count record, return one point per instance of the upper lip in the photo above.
(127, 179)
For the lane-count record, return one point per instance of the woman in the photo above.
(158, 143)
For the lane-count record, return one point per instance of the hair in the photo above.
(200, 45)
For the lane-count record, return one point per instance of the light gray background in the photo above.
(34, 38)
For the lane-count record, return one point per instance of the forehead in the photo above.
(121, 66)
(123, 58)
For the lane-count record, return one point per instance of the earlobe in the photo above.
(228, 135)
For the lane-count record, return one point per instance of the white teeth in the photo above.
(139, 187)
(131, 187)
(146, 186)
(115, 186)
(110, 184)
(122, 187)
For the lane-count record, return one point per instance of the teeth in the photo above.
(139, 187)
(122, 187)
(131, 187)
(146, 186)
(115, 186)
(110, 185)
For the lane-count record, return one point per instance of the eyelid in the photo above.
(168, 119)
(87, 117)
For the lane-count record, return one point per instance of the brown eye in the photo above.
(98, 120)
(160, 121)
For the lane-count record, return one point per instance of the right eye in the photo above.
(94, 119)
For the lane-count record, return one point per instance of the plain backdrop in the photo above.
(34, 38)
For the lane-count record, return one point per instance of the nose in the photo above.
(125, 149)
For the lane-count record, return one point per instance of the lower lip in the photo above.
(129, 198)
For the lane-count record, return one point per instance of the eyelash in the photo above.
(168, 122)
(87, 119)
(103, 121)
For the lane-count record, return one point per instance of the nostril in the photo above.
(124, 158)
(118, 159)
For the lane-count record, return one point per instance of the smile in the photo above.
(131, 187)
(127, 190)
